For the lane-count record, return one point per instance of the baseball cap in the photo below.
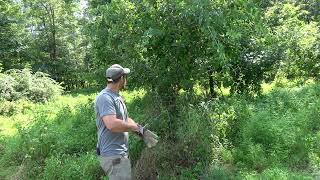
(115, 71)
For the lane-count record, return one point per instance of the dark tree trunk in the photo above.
(53, 32)
(211, 84)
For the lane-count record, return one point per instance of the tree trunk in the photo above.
(211, 84)
(53, 32)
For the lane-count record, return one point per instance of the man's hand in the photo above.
(149, 138)
(140, 130)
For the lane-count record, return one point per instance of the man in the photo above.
(113, 125)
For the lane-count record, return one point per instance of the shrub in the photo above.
(43, 88)
(38, 87)
(7, 87)
(195, 136)
(9, 108)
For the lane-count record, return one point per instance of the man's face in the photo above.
(123, 82)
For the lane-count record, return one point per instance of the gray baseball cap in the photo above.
(115, 71)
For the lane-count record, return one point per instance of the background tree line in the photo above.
(45, 36)
(170, 44)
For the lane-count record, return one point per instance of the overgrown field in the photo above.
(273, 136)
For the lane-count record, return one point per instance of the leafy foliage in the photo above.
(18, 84)
(177, 50)
(298, 40)
(172, 44)
(11, 34)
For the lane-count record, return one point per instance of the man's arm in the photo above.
(118, 125)
(131, 120)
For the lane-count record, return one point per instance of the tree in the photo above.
(56, 46)
(298, 40)
(172, 45)
(11, 35)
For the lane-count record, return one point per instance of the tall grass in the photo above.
(274, 136)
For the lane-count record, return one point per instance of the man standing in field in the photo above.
(113, 125)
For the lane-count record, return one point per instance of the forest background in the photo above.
(231, 87)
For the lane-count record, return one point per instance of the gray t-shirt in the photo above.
(111, 143)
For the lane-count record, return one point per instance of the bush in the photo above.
(9, 108)
(184, 157)
(43, 88)
(38, 87)
(195, 137)
(7, 87)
